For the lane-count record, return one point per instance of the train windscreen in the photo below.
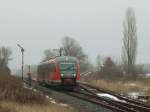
(68, 68)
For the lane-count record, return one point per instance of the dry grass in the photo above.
(11, 89)
(15, 98)
(35, 107)
(6, 109)
(123, 87)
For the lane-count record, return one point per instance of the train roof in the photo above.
(61, 58)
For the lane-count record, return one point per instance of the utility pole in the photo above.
(22, 52)
(29, 76)
(60, 50)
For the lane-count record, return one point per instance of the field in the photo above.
(123, 87)
(15, 98)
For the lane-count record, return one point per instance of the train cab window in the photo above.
(68, 68)
(45, 68)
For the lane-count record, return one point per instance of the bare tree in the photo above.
(49, 54)
(5, 54)
(110, 69)
(129, 41)
(72, 48)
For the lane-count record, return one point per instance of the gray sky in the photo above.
(96, 24)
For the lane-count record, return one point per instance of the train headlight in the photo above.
(62, 75)
(74, 75)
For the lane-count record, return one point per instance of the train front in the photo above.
(69, 70)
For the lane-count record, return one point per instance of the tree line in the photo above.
(5, 57)
(70, 47)
(127, 67)
(104, 65)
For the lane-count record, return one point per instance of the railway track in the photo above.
(94, 99)
(124, 103)
(90, 93)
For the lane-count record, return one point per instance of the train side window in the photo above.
(52, 67)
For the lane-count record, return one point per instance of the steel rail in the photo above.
(90, 96)
(124, 105)
(94, 100)
(132, 102)
(45, 90)
(109, 101)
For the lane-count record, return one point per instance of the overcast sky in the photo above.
(97, 24)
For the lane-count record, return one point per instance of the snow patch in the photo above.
(110, 97)
(147, 75)
(27, 87)
(135, 94)
(34, 90)
(132, 84)
(63, 105)
(48, 97)
(54, 102)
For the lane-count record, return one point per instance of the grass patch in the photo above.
(11, 89)
(15, 98)
(122, 87)
(35, 107)
(6, 109)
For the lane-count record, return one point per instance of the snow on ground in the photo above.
(135, 94)
(27, 87)
(50, 99)
(54, 102)
(131, 84)
(110, 97)
(34, 90)
(147, 75)
(64, 105)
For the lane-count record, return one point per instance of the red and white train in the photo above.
(62, 70)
